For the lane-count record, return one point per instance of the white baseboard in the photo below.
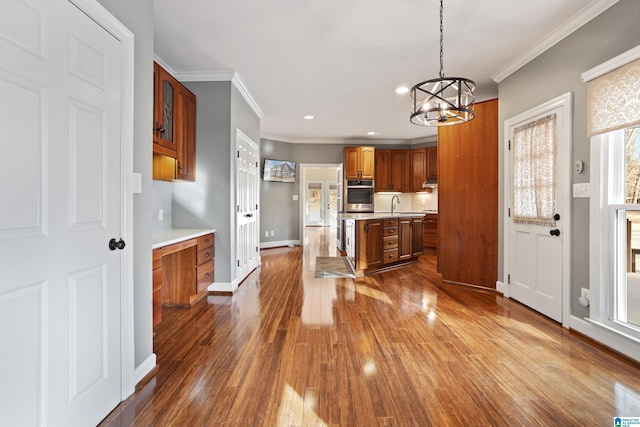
(144, 368)
(221, 287)
(606, 336)
(500, 287)
(268, 245)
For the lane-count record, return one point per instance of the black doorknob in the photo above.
(116, 244)
(556, 217)
(555, 232)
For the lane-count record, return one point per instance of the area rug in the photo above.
(333, 267)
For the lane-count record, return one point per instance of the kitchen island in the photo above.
(378, 242)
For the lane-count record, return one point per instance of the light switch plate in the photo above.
(137, 183)
(295, 197)
(582, 190)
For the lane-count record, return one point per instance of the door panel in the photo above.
(60, 113)
(535, 267)
(247, 197)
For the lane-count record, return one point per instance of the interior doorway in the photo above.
(320, 194)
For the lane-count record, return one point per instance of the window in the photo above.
(615, 197)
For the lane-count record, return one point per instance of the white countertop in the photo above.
(374, 215)
(176, 235)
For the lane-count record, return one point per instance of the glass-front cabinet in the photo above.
(164, 112)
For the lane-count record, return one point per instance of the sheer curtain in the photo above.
(534, 172)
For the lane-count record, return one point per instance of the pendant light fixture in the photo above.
(443, 101)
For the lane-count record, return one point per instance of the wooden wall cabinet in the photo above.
(468, 199)
(186, 269)
(424, 165)
(174, 128)
(392, 172)
(359, 163)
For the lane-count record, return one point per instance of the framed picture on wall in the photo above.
(279, 170)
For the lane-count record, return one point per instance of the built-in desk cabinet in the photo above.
(431, 231)
(182, 272)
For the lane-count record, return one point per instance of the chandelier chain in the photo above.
(441, 42)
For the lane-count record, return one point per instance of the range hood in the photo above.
(430, 183)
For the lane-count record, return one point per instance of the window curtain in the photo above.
(534, 172)
(613, 100)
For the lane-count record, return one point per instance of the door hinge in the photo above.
(508, 279)
(508, 212)
(509, 144)
(256, 206)
(366, 228)
(237, 208)
(238, 263)
(256, 164)
(238, 153)
(256, 249)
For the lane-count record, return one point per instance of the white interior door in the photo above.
(315, 203)
(331, 204)
(60, 186)
(247, 197)
(536, 262)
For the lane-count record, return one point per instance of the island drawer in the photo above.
(390, 256)
(390, 242)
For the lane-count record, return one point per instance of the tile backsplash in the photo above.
(161, 201)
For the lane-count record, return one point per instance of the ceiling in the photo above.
(341, 60)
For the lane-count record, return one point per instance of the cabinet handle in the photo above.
(206, 276)
(391, 242)
(206, 240)
(206, 254)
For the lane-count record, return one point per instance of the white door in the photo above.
(60, 190)
(535, 260)
(331, 202)
(247, 197)
(315, 203)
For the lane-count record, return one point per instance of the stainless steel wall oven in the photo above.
(358, 195)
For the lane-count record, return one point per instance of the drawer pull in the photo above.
(390, 255)
(206, 240)
(206, 255)
(391, 242)
(206, 276)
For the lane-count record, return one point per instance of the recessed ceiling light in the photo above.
(371, 133)
(308, 117)
(402, 89)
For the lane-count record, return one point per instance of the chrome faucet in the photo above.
(394, 199)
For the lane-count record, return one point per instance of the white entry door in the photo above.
(535, 258)
(60, 192)
(331, 202)
(315, 203)
(247, 197)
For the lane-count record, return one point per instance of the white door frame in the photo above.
(104, 18)
(565, 167)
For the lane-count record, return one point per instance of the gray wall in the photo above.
(138, 17)
(554, 73)
(206, 202)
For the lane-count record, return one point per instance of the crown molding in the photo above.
(617, 62)
(592, 10)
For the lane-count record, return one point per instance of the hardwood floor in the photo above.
(394, 349)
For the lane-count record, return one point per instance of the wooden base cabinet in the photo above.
(387, 243)
(157, 287)
(431, 231)
(186, 271)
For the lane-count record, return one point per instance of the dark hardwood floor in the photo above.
(394, 349)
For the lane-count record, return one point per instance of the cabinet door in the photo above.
(405, 239)
(432, 162)
(369, 246)
(418, 168)
(400, 170)
(383, 170)
(367, 162)
(351, 162)
(417, 237)
(165, 97)
(186, 135)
